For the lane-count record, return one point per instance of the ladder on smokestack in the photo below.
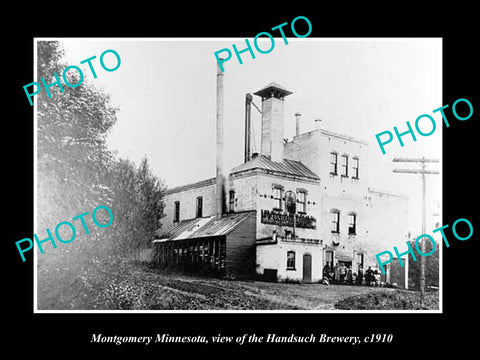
(248, 127)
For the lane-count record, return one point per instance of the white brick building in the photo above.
(338, 217)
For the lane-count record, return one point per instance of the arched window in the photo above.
(333, 163)
(277, 196)
(352, 223)
(176, 211)
(302, 201)
(231, 201)
(344, 165)
(355, 167)
(199, 207)
(335, 220)
(291, 260)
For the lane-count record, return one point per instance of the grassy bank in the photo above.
(396, 300)
(129, 286)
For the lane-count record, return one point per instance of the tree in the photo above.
(76, 172)
(150, 192)
(431, 266)
(72, 160)
(138, 202)
(72, 154)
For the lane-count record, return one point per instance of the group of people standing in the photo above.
(341, 274)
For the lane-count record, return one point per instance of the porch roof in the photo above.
(204, 227)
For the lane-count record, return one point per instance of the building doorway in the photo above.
(307, 268)
(343, 270)
(347, 264)
(360, 257)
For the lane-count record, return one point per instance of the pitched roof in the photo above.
(195, 185)
(285, 167)
(205, 227)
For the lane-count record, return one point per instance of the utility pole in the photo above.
(423, 171)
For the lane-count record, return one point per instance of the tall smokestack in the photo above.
(298, 120)
(272, 120)
(220, 180)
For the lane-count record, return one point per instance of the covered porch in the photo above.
(218, 246)
(206, 255)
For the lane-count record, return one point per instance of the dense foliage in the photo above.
(76, 172)
(389, 300)
(431, 267)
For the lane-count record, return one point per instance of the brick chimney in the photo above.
(272, 120)
(298, 123)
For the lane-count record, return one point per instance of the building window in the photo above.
(176, 211)
(355, 168)
(352, 224)
(277, 197)
(335, 221)
(345, 165)
(199, 206)
(302, 201)
(291, 260)
(333, 163)
(231, 201)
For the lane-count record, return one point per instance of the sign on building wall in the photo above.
(285, 219)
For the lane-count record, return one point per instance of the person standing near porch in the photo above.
(343, 273)
(337, 272)
(368, 276)
(349, 275)
(360, 275)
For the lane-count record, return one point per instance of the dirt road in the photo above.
(182, 292)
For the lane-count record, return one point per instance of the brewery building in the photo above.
(287, 211)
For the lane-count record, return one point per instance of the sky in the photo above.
(165, 90)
